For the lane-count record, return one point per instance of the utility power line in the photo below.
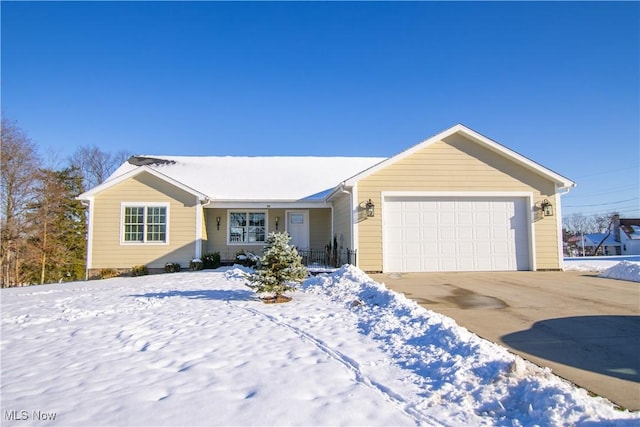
(601, 204)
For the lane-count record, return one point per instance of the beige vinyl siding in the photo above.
(455, 165)
(342, 221)
(319, 228)
(109, 252)
(216, 240)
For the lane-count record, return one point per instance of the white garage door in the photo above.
(455, 234)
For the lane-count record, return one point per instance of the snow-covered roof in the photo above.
(633, 231)
(226, 178)
(285, 178)
(631, 227)
(594, 239)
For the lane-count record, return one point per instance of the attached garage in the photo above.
(456, 233)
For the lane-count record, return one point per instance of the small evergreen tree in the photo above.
(279, 269)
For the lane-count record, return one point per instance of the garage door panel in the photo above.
(465, 218)
(449, 234)
(466, 249)
(484, 264)
(429, 217)
(482, 218)
(429, 233)
(482, 234)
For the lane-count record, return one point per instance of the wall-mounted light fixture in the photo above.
(547, 207)
(218, 222)
(370, 208)
(277, 220)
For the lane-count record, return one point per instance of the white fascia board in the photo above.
(233, 204)
(134, 172)
(475, 136)
(497, 194)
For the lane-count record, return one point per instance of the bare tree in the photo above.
(19, 164)
(96, 165)
(578, 224)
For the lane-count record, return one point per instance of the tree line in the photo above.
(43, 226)
(578, 224)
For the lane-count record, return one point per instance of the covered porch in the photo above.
(234, 230)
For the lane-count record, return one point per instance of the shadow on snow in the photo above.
(206, 294)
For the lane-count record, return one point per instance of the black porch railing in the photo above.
(325, 258)
(311, 258)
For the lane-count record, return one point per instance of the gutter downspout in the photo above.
(560, 191)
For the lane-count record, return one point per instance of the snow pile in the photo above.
(617, 267)
(198, 348)
(624, 270)
(454, 367)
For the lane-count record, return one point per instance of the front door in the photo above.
(298, 228)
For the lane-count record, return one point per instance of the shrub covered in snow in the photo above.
(196, 264)
(172, 267)
(211, 260)
(247, 259)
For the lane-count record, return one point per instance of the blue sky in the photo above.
(557, 82)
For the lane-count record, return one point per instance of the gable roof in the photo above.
(477, 138)
(594, 239)
(226, 178)
(286, 178)
(118, 178)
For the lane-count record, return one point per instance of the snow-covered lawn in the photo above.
(197, 348)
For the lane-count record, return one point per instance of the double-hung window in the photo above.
(143, 223)
(247, 227)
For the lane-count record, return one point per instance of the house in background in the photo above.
(627, 232)
(605, 244)
(622, 238)
(457, 201)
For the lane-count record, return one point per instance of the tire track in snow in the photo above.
(353, 366)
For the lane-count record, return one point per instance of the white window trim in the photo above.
(145, 205)
(247, 211)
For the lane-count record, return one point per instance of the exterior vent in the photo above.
(147, 161)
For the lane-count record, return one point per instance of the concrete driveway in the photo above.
(585, 328)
